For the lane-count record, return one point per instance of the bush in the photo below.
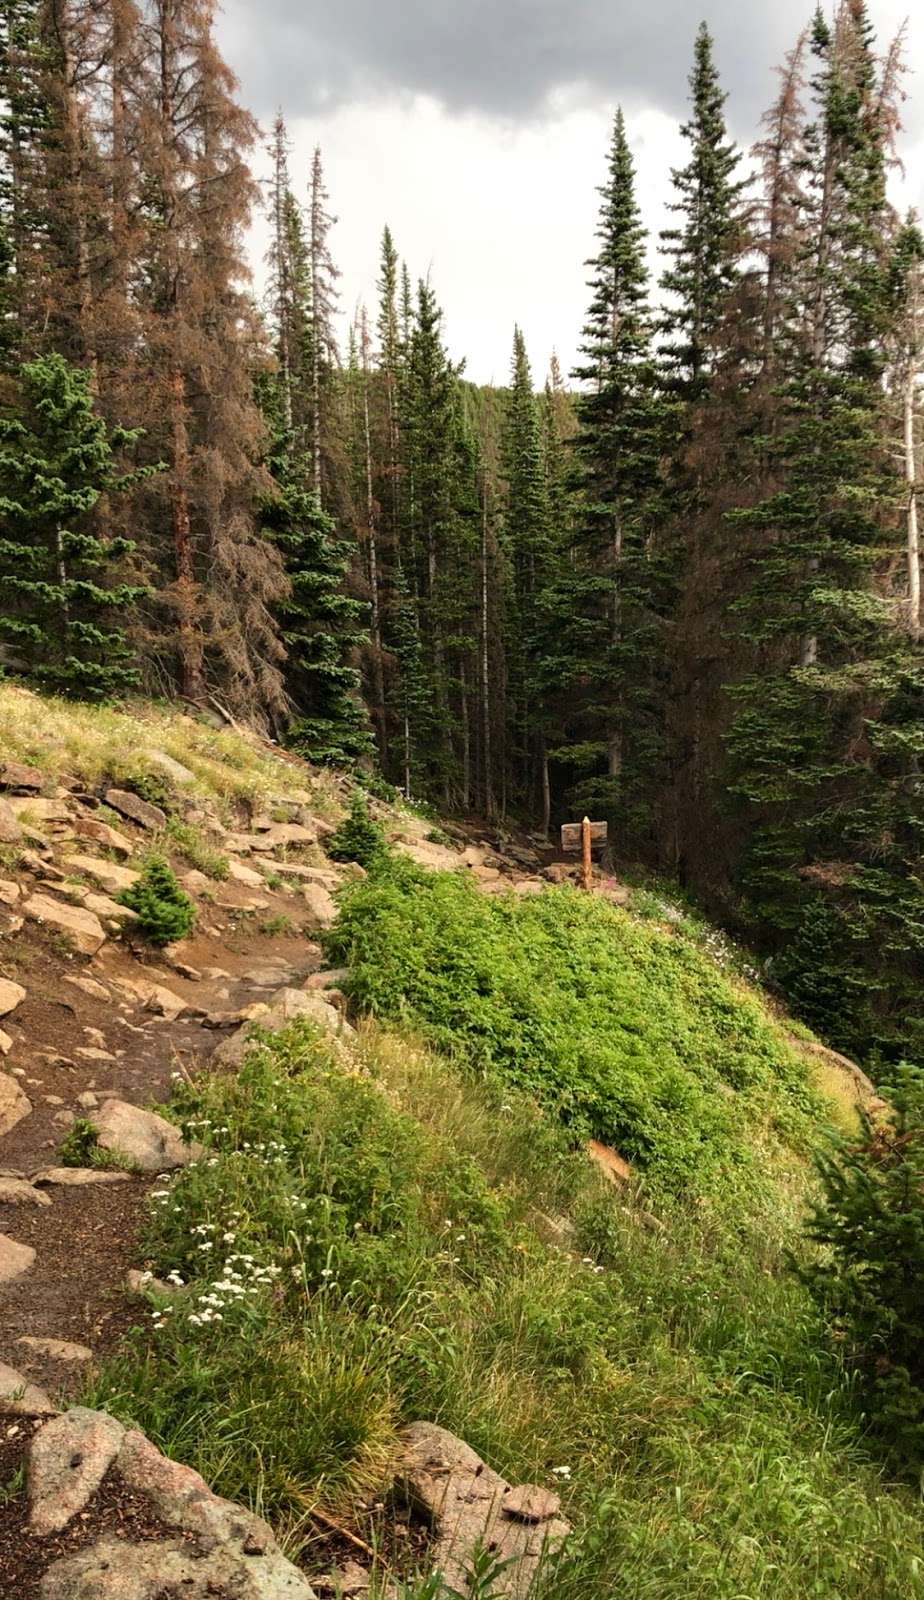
(358, 837)
(629, 1032)
(870, 1283)
(165, 911)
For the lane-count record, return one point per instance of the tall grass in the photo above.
(367, 1243)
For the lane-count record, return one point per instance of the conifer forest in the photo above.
(677, 588)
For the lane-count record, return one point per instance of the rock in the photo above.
(285, 1007)
(76, 1177)
(6, 1043)
(19, 1192)
(11, 995)
(32, 809)
(9, 891)
(164, 1003)
(196, 882)
(332, 978)
(113, 1569)
(438, 857)
(113, 878)
(238, 873)
(87, 1101)
(88, 986)
(20, 1397)
(137, 810)
(101, 833)
(41, 869)
(466, 1503)
(15, 1259)
(325, 876)
(56, 1349)
(13, 775)
(268, 977)
(234, 1019)
(348, 1582)
(558, 872)
(138, 1282)
(612, 1165)
(92, 1052)
(286, 833)
(530, 1503)
(173, 769)
(321, 907)
(148, 1141)
(14, 1105)
(80, 927)
(66, 1462)
(10, 830)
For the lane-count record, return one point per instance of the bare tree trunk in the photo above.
(186, 588)
(914, 549)
(372, 538)
(486, 657)
(546, 788)
(281, 186)
(466, 744)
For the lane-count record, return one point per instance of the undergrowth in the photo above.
(358, 1249)
(629, 1031)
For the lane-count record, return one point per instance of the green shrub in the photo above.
(870, 1282)
(359, 837)
(80, 1147)
(165, 911)
(628, 1031)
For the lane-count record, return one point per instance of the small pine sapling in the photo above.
(164, 910)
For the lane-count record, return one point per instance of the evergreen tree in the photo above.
(64, 604)
(703, 251)
(616, 580)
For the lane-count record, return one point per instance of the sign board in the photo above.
(571, 835)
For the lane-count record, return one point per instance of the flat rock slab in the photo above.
(251, 879)
(101, 833)
(10, 830)
(173, 769)
(113, 878)
(137, 810)
(55, 1349)
(81, 927)
(66, 1462)
(76, 1177)
(19, 1397)
(148, 1141)
(15, 1259)
(466, 1503)
(11, 996)
(14, 1105)
(322, 908)
(14, 775)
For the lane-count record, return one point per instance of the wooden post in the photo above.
(587, 870)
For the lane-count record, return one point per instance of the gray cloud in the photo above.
(505, 58)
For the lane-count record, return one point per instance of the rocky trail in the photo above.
(93, 1026)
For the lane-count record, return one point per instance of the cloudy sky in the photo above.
(477, 129)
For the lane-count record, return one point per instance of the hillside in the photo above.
(446, 1143)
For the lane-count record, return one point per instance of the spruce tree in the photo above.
(703, 250)
(616, 582)
(64, 606)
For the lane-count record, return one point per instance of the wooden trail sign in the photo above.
(583, 836)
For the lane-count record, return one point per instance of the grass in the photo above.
(367, 1245)
(193, 846)
(277, 926)
(629, 1031)
(80, 1147)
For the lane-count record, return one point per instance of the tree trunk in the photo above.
(486, 659)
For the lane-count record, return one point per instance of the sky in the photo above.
(478, 130)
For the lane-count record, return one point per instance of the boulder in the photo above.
(14, 1105)
(13, 775)
(326, 876)
(20, 1397)
(174, 770)
(79, 926)
(88, 986)
(137, 810)
(110, 910)
(15, 1259)
(287, 833)
(114, 879)
(16, 1191)
(331, 978)
(114, 1569)
(9, 890)
(11, 995)
(238, 873)
(148, 1141)
(56, 1349)
(438, 857)
(37, 810)
(6, 1043)
(321, 906)
(196, 882)
(613, 1166)
(10, 830)
(66, 1462)
(101, 833)
(286, 1006)
(467, 1505)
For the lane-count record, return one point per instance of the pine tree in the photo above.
(614, 586)
(323, 343)
(321, 624)
(64, 603)
(704, 249)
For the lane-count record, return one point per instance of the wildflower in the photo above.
(562, 1472)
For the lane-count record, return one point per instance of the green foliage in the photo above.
(62, 599)
(870, 1281)
(80, 1147)
(165, 910)
(630, 1033)
(363, 1249)
(196, 849)
(359, 837)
